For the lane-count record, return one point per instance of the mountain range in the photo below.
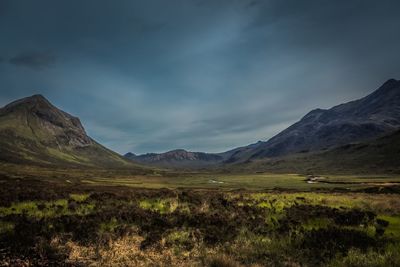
(177, 158)
(360, 134)
(375, 115)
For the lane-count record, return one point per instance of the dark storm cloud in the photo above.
(33, 60)
(206, 75)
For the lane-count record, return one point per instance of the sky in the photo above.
(202, 75)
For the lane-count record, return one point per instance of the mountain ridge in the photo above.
(176, 158)
(371, 116)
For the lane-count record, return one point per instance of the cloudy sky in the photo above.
(203, 75)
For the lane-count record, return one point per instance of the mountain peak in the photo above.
(179, 150)
(388, 94)
(388, 86)
(37, 100)
(390, 82)
(130, 155)
(37, 97)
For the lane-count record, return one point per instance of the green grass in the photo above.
(394, 225)
(46, 209)
(70, 157)
(384, 205)
(79, 197)
(162, 206)
(248, 181)
(156, 178)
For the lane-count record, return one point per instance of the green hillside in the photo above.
(33, 131)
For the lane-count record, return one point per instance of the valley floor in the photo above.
(159, 178)
(105, 218)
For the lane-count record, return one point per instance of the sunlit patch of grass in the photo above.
(85, 209)
(18, 208)
(59, 202)
(393, 229)
(379, 203)
(79, 197)
(265, 205)
(6, 227)
(162, 206)
(273, 202)
(45, 209)
(29, 208)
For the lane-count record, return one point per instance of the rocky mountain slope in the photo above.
(34, 131)
(372, 116)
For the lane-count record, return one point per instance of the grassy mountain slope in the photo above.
(381, 155)
(33, 131)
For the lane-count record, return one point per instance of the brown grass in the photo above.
(125, 251)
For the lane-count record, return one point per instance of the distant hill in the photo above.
(372, 116)
(34, 131)
(381, 155)
(178, 158)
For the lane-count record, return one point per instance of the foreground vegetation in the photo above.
(45, 222)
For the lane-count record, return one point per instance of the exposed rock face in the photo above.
(372, 116)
